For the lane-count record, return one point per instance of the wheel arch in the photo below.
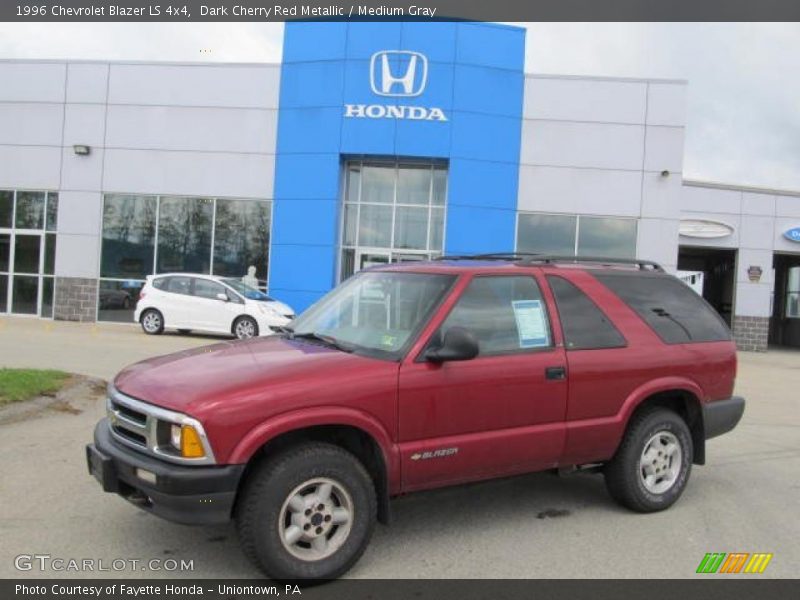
(687, 404)
(365, 440)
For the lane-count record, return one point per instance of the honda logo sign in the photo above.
(399, 73)
(396, 74)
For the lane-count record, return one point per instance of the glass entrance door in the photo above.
(25, 281)
(28, 222)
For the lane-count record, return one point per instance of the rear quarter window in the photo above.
(674, 311)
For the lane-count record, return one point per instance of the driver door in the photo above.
(497, 414)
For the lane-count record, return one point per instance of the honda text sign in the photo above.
(397, 74)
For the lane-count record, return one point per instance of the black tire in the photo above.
(242, 325)
(184, 331)
(152, 322)
(625, 473)
(261, 521)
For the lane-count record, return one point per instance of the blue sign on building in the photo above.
(446, 92)
(793, 234)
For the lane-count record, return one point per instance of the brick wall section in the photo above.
(750, 333)
(76, 299)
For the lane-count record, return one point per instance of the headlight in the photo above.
(267, 309)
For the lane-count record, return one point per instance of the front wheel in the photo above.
(307, 513)
(652, 465)
(245, 327)
(152, 321)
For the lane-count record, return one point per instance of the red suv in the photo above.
(415, 376)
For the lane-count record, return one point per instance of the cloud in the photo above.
(743, 123)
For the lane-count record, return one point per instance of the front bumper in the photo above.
(189, 495)
(721, 416)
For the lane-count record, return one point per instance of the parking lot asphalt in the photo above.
(743, 500)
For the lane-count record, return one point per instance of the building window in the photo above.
(145, 235)
(571, 235)
(393, 212)
(793, 294)
(28, 222)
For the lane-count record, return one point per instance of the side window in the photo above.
(179, 285)
(203, 288)
(670, 307)
(506, 313)
(161, 283)
(585, 325)
(233, 297)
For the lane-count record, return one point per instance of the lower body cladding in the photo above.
(188, 495)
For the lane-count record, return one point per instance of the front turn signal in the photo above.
(191, 445)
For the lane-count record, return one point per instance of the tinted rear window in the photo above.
(585, 326)
(673, 310)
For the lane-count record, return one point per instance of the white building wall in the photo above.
(182, 129)
(597, 146)
(758, 218)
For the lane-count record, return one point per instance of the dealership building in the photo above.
(370, 143)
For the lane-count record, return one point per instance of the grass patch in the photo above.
(17, 385)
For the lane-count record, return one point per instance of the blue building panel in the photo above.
(447, 91)
(483, 183)
(365, 38)
(436, 40)
(320, 218)
(491, 45)
(311, 84)
(479, 230)
(507, 89)
(314, 41)
(309, 130)
(305, 177)
(301, 267)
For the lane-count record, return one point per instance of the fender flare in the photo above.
(656, 386)
(315, 416)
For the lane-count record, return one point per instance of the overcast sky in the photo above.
(744, 79)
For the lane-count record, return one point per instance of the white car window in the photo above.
(203, 288)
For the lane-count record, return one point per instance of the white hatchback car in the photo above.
(186, 302)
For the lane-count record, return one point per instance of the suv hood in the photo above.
(256, 371)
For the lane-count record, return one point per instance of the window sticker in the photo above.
(531, 324)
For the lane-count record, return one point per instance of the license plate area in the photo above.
(101, 467)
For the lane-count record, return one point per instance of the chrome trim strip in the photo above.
(149, 430)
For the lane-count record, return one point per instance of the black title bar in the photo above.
(32, 11)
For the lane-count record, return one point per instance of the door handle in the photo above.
(555, 373)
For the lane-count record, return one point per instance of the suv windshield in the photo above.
(245, 290)
(375, 313)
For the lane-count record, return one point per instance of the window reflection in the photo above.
(129, 229)
(30, 210)
(241, 237)
(184, 235)
(393, 212)
(143, 235)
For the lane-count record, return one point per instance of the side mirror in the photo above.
(459, 344)
(223, 297)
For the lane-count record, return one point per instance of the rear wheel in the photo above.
(245, 327)
(307, 513)
(652, 465)
(152, 321)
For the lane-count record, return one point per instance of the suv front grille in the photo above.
(146, 428)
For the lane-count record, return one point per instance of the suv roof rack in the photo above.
(529, 258)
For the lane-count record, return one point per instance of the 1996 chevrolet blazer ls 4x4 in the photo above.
(415, 376)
